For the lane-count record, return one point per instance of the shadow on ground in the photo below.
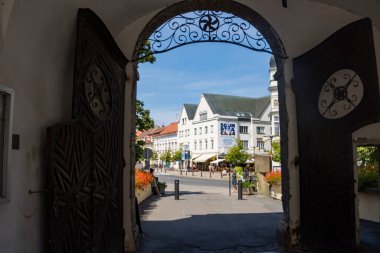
(209, 232)
(226, 233)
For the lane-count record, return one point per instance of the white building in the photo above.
(219, 121)
(166, 140)
(274, 114)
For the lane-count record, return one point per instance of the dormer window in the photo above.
(203, 116)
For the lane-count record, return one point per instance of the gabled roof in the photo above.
(242, 107)
(190, 110)
(170, 129)
(149, 132)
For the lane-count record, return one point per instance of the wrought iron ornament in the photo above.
(341, 94)
(98, 92)
(206, 26)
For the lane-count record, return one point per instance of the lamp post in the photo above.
(269, 137)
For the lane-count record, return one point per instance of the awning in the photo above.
(203, 158)
(218, 161)
(195, 157)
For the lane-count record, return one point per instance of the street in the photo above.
(207, 219)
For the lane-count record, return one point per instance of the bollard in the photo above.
(201, 173)
(229, 183)
(210, 174)
(176, 189)
(221, 175)
(240, 190)
(193, 173)
(180, 172)
(186, 172)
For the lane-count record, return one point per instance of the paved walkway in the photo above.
(195, 174)
(208, 221)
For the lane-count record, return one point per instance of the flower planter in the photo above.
(276, 191)
(161, 189)
(248, 191)
(141, 195)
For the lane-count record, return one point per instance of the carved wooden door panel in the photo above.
(85, 155)
(337, 92)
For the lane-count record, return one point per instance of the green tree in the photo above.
(236, 155)
(177, 156)
(367, 155)
(276, 151)
(143, 119)
(166, 156)
(155, 155)
(145, 55)
(139, 150)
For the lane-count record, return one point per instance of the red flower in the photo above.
(273, 177)
(143, 179)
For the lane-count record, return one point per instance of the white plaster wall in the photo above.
(369, 206)
(36, 60)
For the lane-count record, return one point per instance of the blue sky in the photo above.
(183, 74)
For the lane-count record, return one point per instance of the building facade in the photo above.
(219, 121)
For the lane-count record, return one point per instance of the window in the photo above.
(212, 144)
(260, 143)
(6, 108)
(195, 131)
(200, 144)
(245, 144)
(195, 145)
(275, 103)
(206, 144)
(276, 128)
(203, 116)
(260, 130)
(200, 130)
(243, 129)
(206, 129)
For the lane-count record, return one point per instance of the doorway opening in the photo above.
(232, 23)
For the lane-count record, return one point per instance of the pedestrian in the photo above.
(234, 180)
(154, 185)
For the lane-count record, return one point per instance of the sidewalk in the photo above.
(208, 221)
(199, 174)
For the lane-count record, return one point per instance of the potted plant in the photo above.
(161, 187)
(248, 187)
(273, 178)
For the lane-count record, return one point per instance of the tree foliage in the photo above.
(236, 155)
(177, 156)
(143, 119)
(166, 156)
(276, 151)
(145, 55)
(367, 155)
(139, 150)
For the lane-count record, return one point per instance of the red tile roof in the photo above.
(170, 129)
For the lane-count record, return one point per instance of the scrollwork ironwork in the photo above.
(206, 26)
(341, 93)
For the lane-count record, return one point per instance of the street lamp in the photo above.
(271, 138)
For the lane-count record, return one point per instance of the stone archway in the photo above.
(277, 49)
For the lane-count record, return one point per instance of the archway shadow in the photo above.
(213, 232)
